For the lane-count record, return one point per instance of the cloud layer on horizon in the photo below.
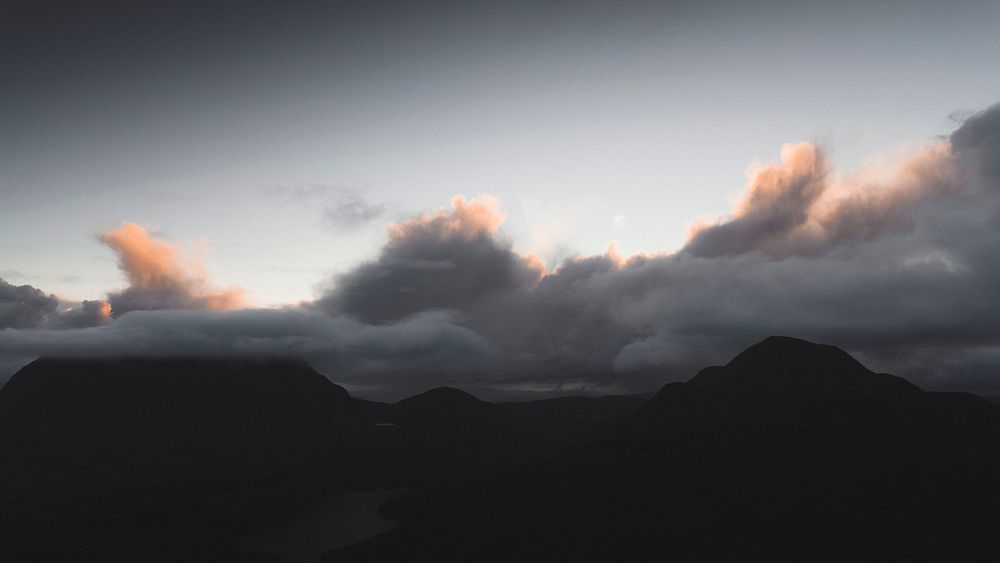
(896, 263)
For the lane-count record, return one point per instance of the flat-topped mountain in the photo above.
(167, 456)
(197, 396)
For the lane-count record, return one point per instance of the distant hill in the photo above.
(448, 407)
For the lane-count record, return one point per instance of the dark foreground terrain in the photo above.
(792, 450)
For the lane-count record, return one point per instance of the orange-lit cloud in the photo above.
(159, 278)
(800, 207)
(466, 219)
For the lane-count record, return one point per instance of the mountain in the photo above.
(156, 459)
(160, 413)
(792, 450)
(449, 408)
(161, 395)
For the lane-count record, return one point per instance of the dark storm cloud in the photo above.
(897, 265)
(27, 307)
(24, 306)
(86, 314)
(447, 260)
(979, 138)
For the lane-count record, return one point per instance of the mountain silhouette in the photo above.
(114, 395)
(447, 406)
(792, 450)
(169, 454)
(781, 366)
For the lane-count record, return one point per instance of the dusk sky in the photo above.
(409, 194)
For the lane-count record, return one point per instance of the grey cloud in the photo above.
(639, 322)
(24, 306)
(351, 210)
(444, 261)
(27, 307)
(86, 314)
(344, 349)
(911, 286)
(345, 208)
(979, 136)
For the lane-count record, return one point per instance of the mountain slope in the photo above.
(163, 460)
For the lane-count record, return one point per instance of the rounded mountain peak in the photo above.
(787, 365)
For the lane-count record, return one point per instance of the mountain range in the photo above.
(792, 450)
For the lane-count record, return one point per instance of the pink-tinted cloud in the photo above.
(159, 278)
(800, 207)
(467, 219)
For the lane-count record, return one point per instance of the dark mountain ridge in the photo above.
(790, 450)
(126, 392)
(447, 406)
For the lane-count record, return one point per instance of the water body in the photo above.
(345, 519)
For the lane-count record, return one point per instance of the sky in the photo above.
(595, 196)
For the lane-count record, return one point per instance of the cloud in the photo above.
(978, 139)
(351, 210)
(899, 256)
(799, 208)
(24, 306)
(897, 263)
(157, 277)
(347, 350)
(86, 314)
(445, 260)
